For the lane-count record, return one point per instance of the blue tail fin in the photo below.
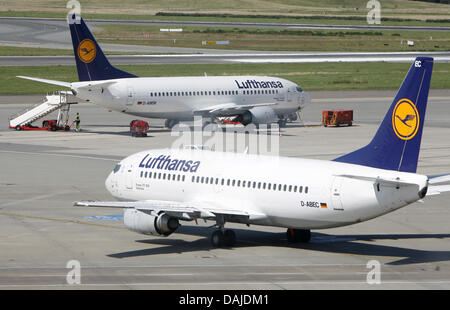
(92, 65)
(396, 144)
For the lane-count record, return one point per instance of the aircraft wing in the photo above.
(230, 108)
(181, 210)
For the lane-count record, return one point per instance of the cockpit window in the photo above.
(299, 89)
(116, 168)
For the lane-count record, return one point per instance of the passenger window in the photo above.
(290, 187)
(306, 190)
(300, 189)
(183, 178)
(142, 172)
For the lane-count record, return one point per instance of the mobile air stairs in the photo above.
(52, 102)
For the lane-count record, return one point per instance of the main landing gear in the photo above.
(222, 237)
(298, 235)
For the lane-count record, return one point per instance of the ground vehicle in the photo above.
(337, 117)
(138, 128)
(49, 124)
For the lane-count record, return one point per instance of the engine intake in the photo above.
(143, 223)
(257, 115)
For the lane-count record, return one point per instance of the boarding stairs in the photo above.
(52, 102)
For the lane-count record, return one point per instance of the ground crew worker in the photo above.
(77, 122)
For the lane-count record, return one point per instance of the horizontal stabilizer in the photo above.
(53, 82)
(385, 181)
(92, 85)
(439, 179)
(437, 189)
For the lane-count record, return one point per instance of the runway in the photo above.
(54, 34)
(235, 24)
(317, 57)
(44, 172)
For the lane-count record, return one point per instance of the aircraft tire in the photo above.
(218, 239)
(230, 238)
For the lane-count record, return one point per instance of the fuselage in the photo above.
(290, 192)
(181, 97)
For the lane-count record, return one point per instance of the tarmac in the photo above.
(42, 234)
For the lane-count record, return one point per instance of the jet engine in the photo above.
(258, 115)
(143, 223)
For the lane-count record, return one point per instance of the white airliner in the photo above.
(159, 188)
(252, 99)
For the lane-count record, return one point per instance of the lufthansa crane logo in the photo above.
(87, 51)
(405, 119)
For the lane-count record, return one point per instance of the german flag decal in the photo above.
(323, 205)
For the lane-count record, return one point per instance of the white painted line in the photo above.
(332, 59)
(63, 155)
(159, 284)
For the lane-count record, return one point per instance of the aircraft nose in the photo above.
(109, 184)
(305, 99)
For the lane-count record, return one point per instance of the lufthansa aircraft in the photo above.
(252, 99)
(159, 188)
